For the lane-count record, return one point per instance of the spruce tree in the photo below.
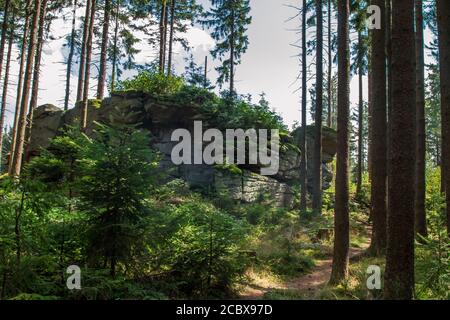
(229, 20)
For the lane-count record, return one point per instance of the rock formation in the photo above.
(161, 118)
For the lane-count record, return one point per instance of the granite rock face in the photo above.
(161, 119)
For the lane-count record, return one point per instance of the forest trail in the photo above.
(307, 285)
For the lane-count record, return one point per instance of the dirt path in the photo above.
(306, 285)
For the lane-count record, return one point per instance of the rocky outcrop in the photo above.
(329, 149)
(161, 118)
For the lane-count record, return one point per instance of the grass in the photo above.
(355, 287)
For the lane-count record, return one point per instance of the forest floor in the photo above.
(307, 286)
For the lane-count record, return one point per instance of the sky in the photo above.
(270, 64)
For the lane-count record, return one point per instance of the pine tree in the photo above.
(37, 68)
(6, 86)
(420, 222)
(360, 54)
(330, 68)
(229, 20)
(82, 62)
(303, 164)
(122, 50)
(32, 47)
(443, 18)
(341, 216)
(182, 14)
(6, 10)
(104, 49)
(317, 152)
(378, 135)
(113, 190)
(71, 44)
(115, 48)
(195, 75)
(87, 71)
(162, 35)
(399, 275)
(17, 110)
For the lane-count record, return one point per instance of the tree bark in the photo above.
(162, 39)
(36, 74)
(6, 83)
(303, 175)
(232, 40)
(370, 108)
(317, 155)
(330, 69)
(70, 58)
(172, 31)
(389, 78)
(114, 62)
(341, 214)
(87, 72)
(205, 75)
(399, 276)
(360, 120)
(104, 51)
(17, 112)
(443, 14)
(4, 33)
(81, 72)
(18, 154)
(379, 139)
(421, 221)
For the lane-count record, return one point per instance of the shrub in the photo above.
(152, 82)
(199, 246)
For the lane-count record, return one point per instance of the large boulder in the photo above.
(47, 120)
(161, 118)
(290, 159)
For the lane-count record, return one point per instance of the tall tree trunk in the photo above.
(330, 69)
(36, 74)
(379, 139)
(370, 108)
(6, 83)
(341, 214)
(70, 58)
(443, 13)
(17, 111)
(6, 9)
(421, 221)
(162, 33)
(360, 119)
(116, 34)
(317, 156)
(205, 75)
(81, 72)
(18, 154)
(87, 73)
(303, 176)
(104, 51)
(232, 43)
(166, 31)
(389, 77)
(399, 276)
(172, 31)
